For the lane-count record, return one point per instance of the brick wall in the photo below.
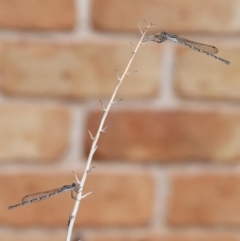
(168, 168)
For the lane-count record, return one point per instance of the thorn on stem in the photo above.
(118, 77)
(133, 50)
(145, 22)
(114, 102)
(76, 177)
(90, 169)
(84, 196)
(103, 108)
(104, 129)
(134, 71)
(140, 29)
(150, 25)
(91, 136)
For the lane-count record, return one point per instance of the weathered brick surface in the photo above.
(33, 133)
(204, 199)
(124, 199)
(37, 14)
(177, 135)
(214, 80)
(147, 235)
(24, 235)
(84, 70)
(217, 16)
(167, 236)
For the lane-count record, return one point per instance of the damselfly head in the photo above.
(159, 37)
(76, 186)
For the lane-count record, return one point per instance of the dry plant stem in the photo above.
(95, 139)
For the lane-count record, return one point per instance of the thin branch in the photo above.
(95, 141)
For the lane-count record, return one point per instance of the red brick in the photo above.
(175, 135)
(214, 80)
(37, 14)
(84, 70)
(204, 199)
(166, 236)
(195, 16)
(33, 133)
(120, 198)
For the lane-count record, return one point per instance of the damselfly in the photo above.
(35, 197)
(203, 48)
